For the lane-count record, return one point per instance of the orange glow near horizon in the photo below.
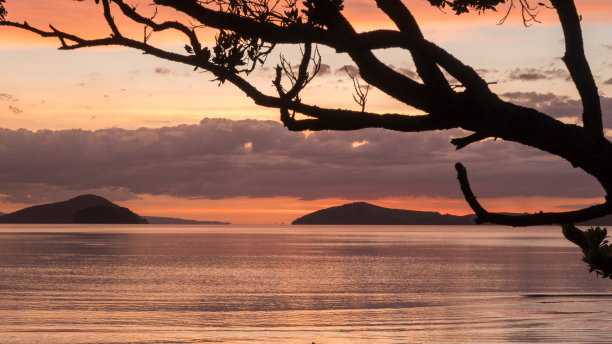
(278, 210)
(283, 210)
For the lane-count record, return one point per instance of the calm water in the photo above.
(190, 284)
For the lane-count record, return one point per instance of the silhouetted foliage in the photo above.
(463, 6)
(596, 249)
(2, 10)
(249, 30)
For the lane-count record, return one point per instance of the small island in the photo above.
(158, 220)
(81, 209)
(362, 213)
(90, 209)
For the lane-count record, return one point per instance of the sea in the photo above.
(126, 284)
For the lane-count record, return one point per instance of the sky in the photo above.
(164, 140)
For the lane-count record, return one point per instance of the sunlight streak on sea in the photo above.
(288, 284)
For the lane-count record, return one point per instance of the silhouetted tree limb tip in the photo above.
(596, 249)
(248, 31)
(464, 6)
(2, 10)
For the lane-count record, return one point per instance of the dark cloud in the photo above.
(409, 73)
(557, 73)
(15, 109)
(533, 99)
(162, 70)
(7, 97)
(549, 103)
(606, 108)
(352, 70)
(484, 71)
(559, 106)
(325, 69)
(533, 74)
(220, 158)
(526, 75)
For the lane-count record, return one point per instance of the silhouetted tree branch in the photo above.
(2, 10)
(578, 67)
(249, 30)
(537, 219)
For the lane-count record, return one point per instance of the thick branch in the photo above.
(578, 67)
(367, 41)
(384, 39)
(329, 119)
(339, 35)
(461, 142)
(483, 216)
(575, 235)
(372, 70)
(405, 22)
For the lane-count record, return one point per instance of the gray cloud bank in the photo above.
(533, 74)
(221, 158)
(559, 106)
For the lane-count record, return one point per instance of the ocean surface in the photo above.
(287, 284)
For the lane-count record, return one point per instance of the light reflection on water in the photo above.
(239, 284)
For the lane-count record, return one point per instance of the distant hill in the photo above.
(602, 221)
(361, 213)
(81, 209)
(176, 221)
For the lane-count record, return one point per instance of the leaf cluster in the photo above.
(229, 51)
(598, 252)
(2, 10)
(238, 53)
(279, 12)
(464, 6)
(316, 15)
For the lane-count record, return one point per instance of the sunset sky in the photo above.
(164, 140)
